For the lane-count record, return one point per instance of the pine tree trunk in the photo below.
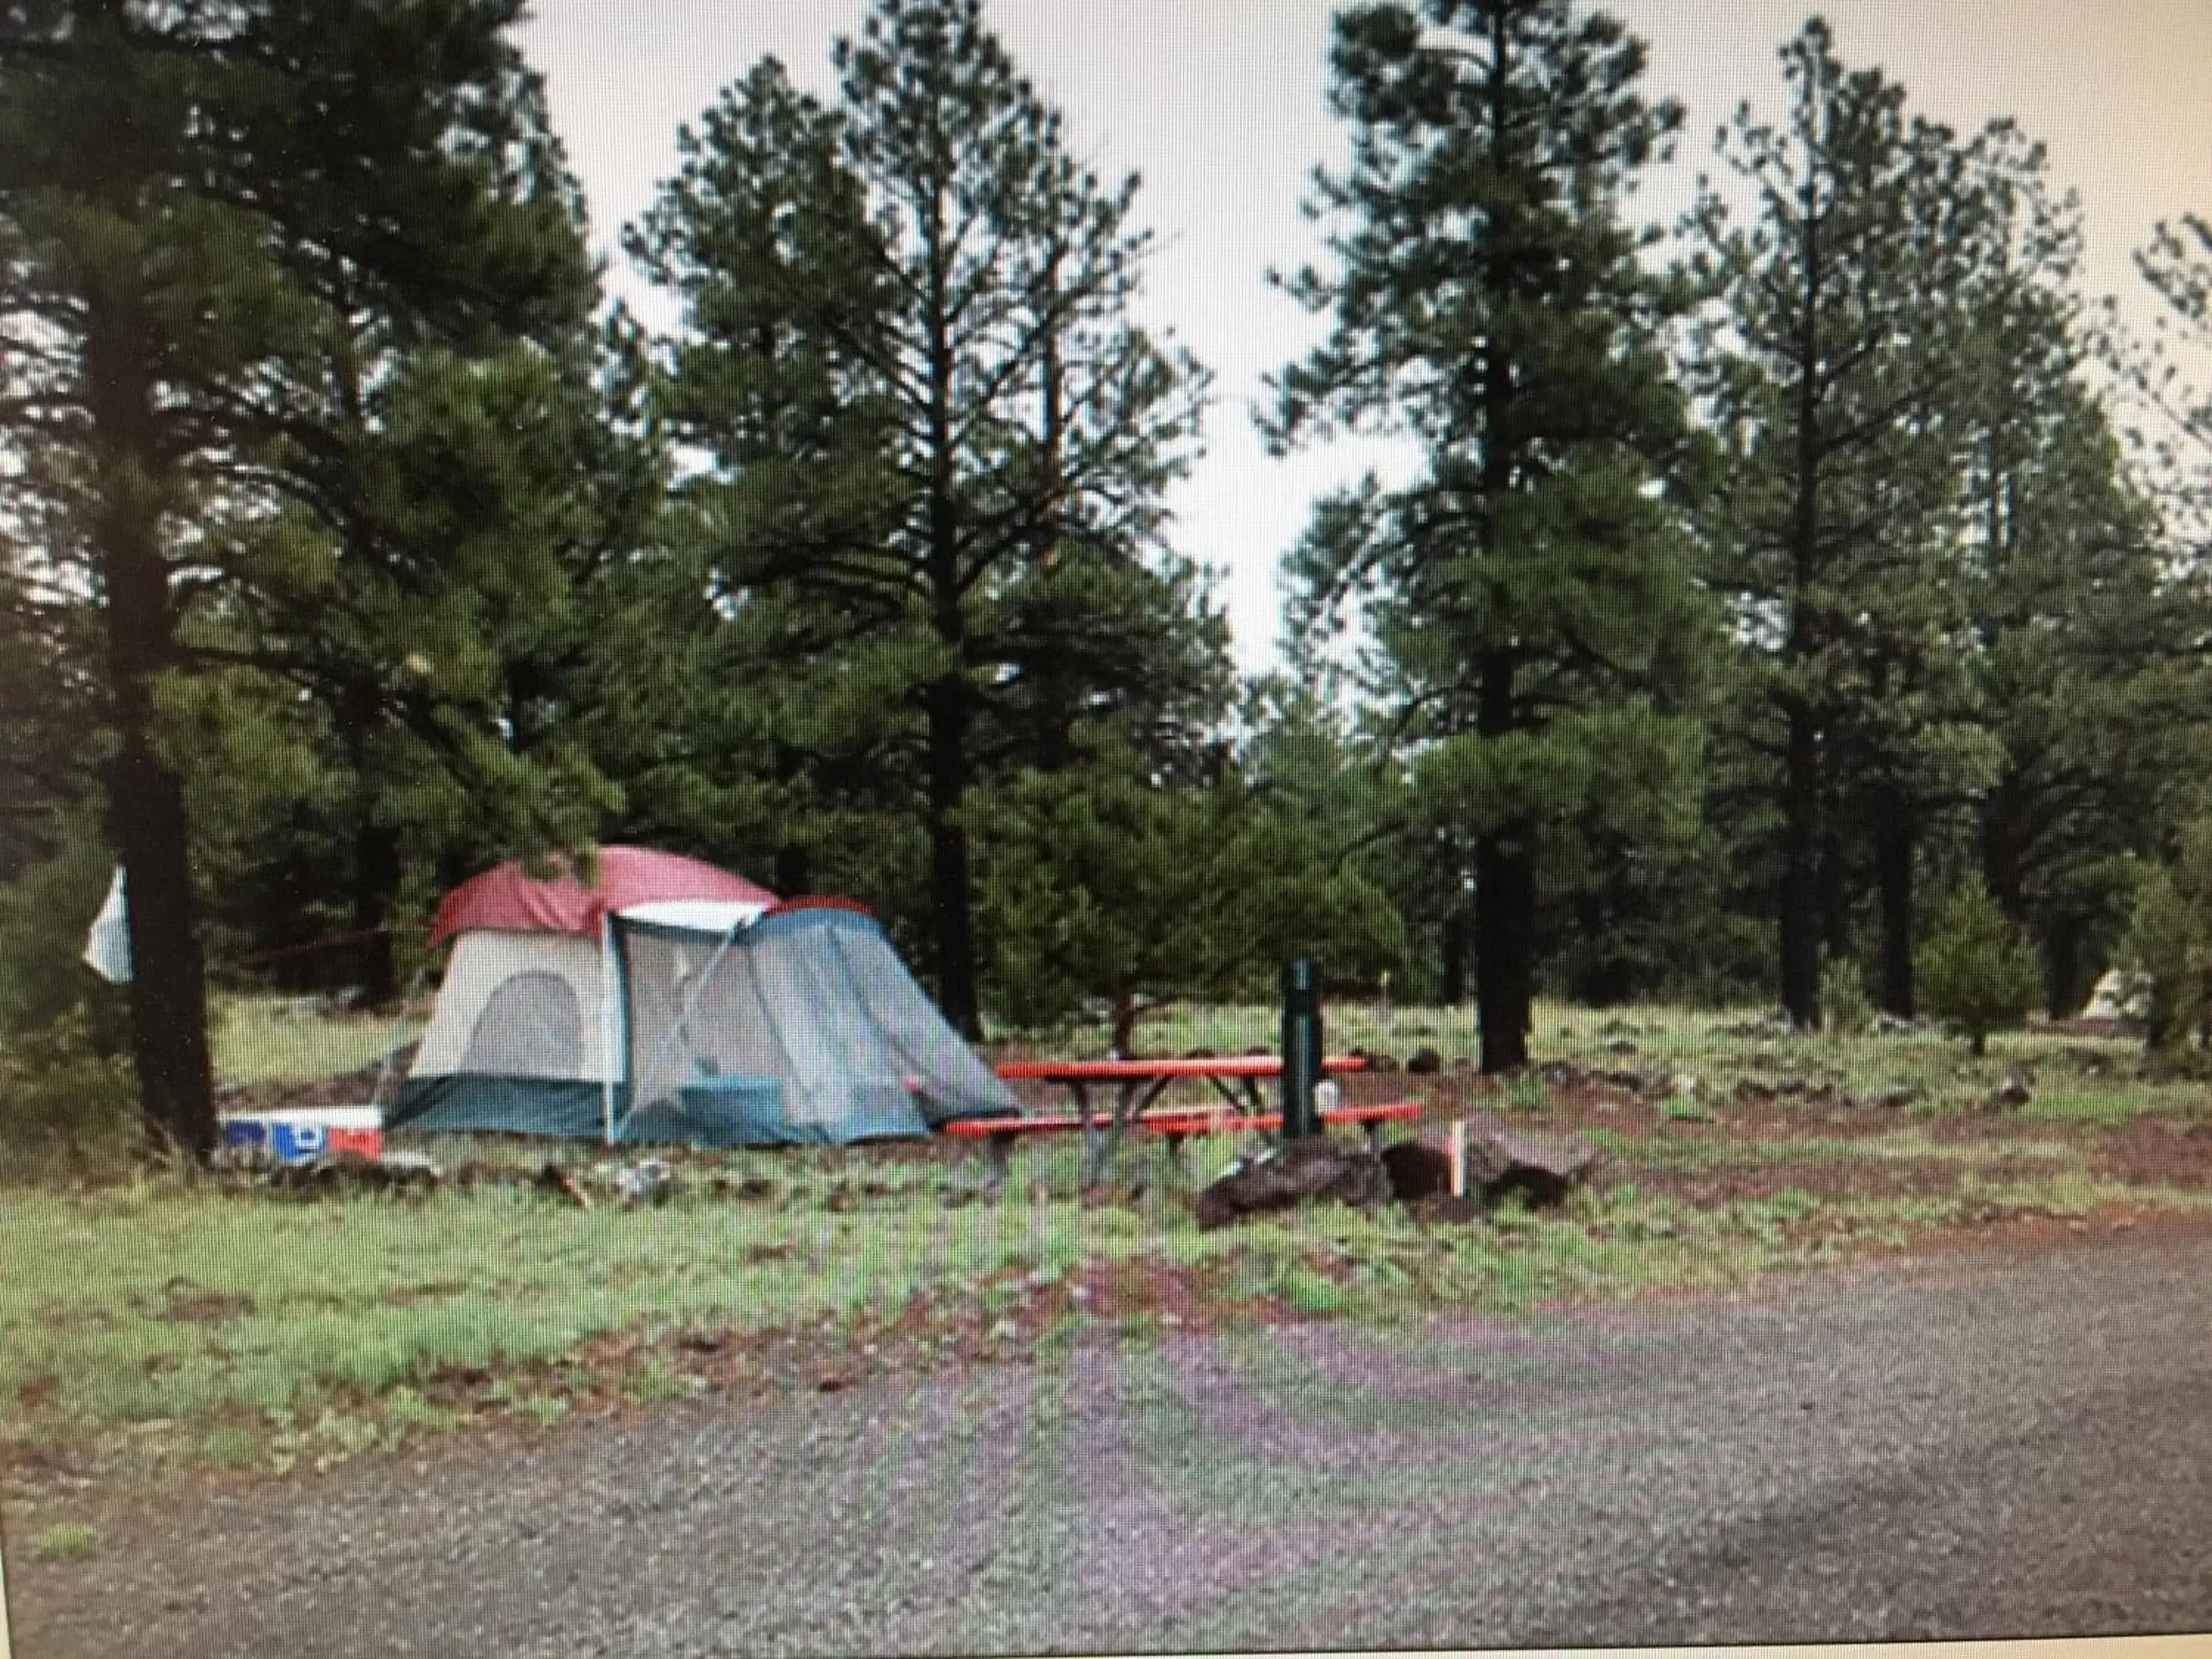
(1504, 941)
(375, 882)
(1454, 989)
(1504, 901)
(168, 988)
(950, 887)
(1801, 892)
(146, 797)
(2000, 871)
(1124, 1026)
(795, 872)
(2062, 961)
(1894, 841)
(1835, 883)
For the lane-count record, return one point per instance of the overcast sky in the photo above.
(1217, 104)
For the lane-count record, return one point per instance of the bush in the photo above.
(1977, 972)
(64, 1101)
(44, 915)
(1845, 1008)
(2162, 960)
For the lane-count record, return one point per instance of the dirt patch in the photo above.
(2026, 1230)
(1000, 1319)
(2150, 1153)
(1829, 1181)
(188, 1304)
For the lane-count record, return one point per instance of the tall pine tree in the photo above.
(933, 440)
(1826, 369)
(250, 253)
(1530, 618)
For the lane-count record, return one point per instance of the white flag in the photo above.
(107, 947)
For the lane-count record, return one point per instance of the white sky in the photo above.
(1218, 104)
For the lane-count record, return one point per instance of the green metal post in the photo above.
(1302, 1049)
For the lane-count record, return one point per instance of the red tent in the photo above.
(505, 900)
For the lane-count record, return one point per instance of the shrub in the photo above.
(64, 1098)
(1977, 972)
(44, 915)
(1845, 1008)
(2163, 960)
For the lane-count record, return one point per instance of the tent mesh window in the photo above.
(531, 1026)
(816, 999)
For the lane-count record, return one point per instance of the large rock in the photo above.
(1416, 1169)
(1312, 1171)
(1502, 1160)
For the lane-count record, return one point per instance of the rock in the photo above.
(1542, 1169)
(557, 1182)
(1306, 1171)
(1424, 1062)
(1621, 1045)
(1416, 1170)
(751, 1186)
(1889, 1100)
(2015, 1093)
(652, 1182)
(394, 1172)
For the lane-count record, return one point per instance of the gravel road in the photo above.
(2009, 1442)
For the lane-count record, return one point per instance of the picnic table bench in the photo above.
(1138, 1084)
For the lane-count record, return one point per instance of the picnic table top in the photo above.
(1087, 1070)
(1182, 1120)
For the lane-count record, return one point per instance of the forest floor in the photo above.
(163, 1337)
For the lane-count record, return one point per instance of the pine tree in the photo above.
(1530, 625)
(1826, 367)
(2082, 651)
(271, 277)
(1112, 881)
(1979, 974)
(936, 440)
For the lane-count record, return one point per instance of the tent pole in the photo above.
(609, 989)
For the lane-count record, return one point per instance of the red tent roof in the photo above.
(507, 901)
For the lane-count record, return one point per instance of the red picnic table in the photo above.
(1138, 1084)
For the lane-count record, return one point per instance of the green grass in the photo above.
(265, 1040)
(66, 1541)
(198, 1325)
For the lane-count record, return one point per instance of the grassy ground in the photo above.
(269, 1039)
(151, 1325)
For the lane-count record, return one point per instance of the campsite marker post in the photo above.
(1302, 1049)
